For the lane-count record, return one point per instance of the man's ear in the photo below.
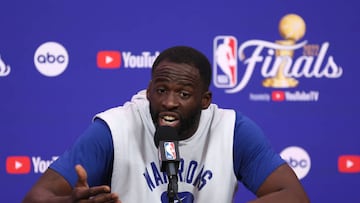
(206, 99)
(148, 90)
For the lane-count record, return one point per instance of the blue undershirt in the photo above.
(254, 159)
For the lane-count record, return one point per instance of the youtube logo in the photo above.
(349, 164)
(278, 96)
(18, 164)
(108, 59)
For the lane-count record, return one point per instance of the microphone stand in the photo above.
(172, 188)
(172, 171)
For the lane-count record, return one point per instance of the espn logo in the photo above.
(18, 164)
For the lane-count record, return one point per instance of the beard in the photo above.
(188, 125)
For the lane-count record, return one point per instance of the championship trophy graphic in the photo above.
(292, 28)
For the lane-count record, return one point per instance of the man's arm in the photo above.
(53, 188)
(282, 186)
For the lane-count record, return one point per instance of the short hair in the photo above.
(189, 56)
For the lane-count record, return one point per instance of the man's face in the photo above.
(176, 95)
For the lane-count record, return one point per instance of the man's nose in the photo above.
(171, 101)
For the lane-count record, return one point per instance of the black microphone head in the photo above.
(165, 133)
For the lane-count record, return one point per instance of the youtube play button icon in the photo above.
(349, 164)
(18, 164)
(108, 59)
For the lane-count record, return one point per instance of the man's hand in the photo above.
(53, 188)
(98, 194)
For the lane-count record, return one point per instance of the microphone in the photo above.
(167, 141)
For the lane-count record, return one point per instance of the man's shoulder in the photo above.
(137, 102)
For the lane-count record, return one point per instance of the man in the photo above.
(218, 147)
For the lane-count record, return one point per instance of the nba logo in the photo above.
(225, 61)
(170, 150)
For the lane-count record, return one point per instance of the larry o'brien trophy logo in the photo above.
(291, 28)
(275, 60)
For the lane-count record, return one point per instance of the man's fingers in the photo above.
(106, 197)
(93, 191)
(83, 193)
(82, 176)
(95, 194)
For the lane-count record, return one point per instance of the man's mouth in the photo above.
(168, 120)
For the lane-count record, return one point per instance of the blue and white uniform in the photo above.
(118, 149)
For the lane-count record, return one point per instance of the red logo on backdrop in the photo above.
(349, 164)
(108, 59)
(278, 96)
(18, 164)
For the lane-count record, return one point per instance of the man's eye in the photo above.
(184, 94)
(160, 90)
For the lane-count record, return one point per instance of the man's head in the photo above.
(179, 89)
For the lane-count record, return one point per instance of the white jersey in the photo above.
(206, 171)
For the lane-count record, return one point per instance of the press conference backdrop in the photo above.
(292, 66)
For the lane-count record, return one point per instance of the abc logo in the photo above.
(298, 159)
(51, 59)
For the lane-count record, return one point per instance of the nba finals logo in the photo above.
(274, 60)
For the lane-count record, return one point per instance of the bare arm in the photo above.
(282, 186)
(53, 188)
